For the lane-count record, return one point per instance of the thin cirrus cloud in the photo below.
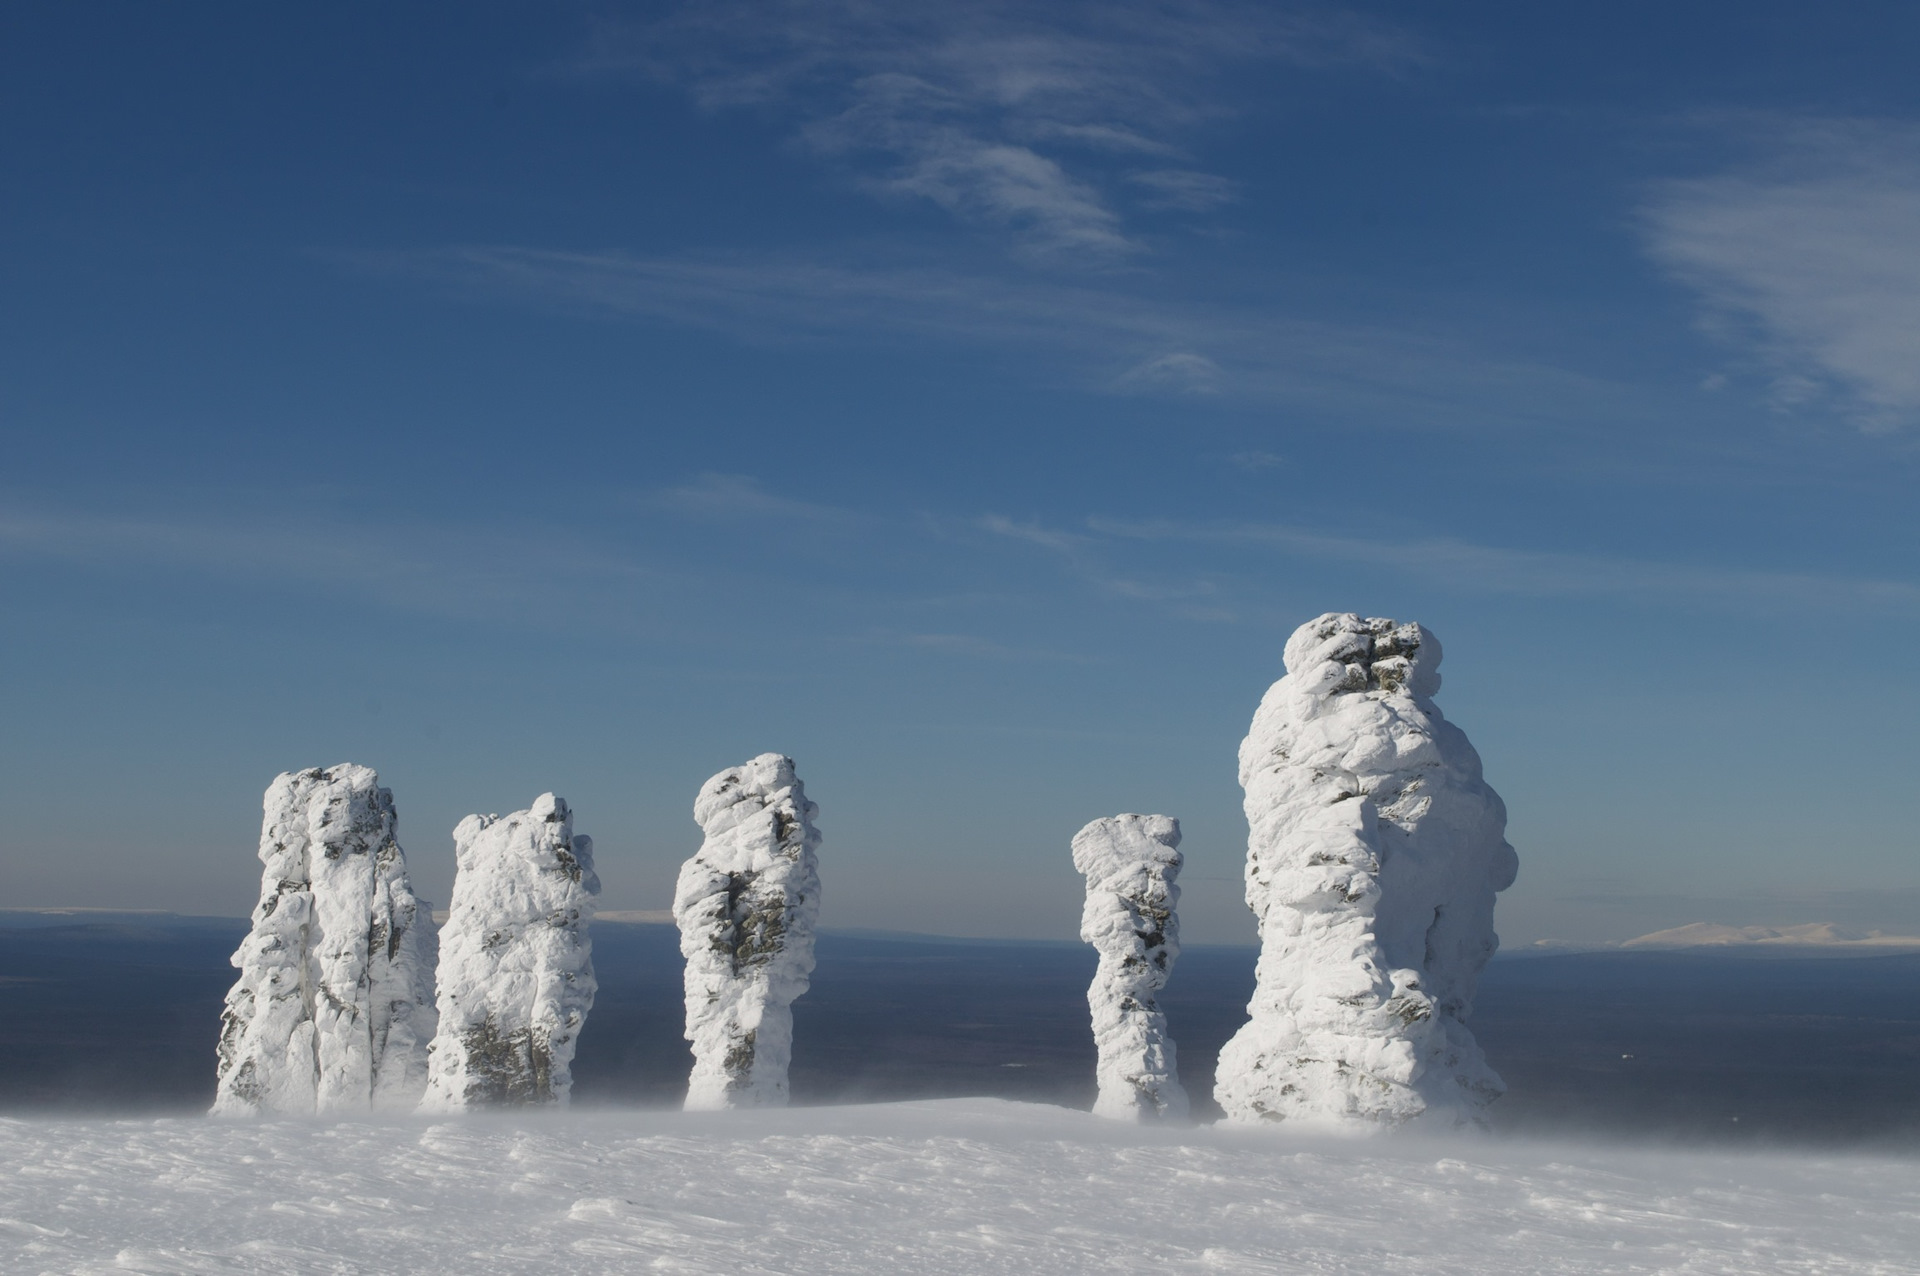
(1006, 115)
(1109, 338)
(1810, 263)
(741, 498)
(458, 571)
(1178, 188)
(1459, 564)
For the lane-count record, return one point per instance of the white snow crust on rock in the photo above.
(333, 1009)
(1374, 853)
(746, 904)
(1131, 919)
(516, 961)
(946, 1188)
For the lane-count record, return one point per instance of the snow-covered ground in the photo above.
(967, 1185)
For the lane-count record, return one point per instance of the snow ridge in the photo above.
(1130, 863)
(516, 961)
(746, 904)
(333, 1009)
(1374, 853)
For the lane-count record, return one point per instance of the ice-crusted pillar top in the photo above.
(1130, 860)
(1341, 652)
(542, 839)
(755, 792)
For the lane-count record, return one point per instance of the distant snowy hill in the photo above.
(1813, 934)
(959, 1186)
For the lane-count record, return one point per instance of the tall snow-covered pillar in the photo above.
(333, 1009)
(1374, 853)
(516, 961)
(746, 906)
(1130, 863)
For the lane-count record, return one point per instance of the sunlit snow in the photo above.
(959, 1186)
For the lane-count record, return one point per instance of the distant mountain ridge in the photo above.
(1809, 934)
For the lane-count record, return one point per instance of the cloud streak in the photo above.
(458, 571)
(1464, 565)
(1004, 114)
(1812, 262)
(1114, 340)
(743, 499)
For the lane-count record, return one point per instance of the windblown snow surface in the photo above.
(957, 1186)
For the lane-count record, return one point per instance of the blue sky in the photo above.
(577, 397)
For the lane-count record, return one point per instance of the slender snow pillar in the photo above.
(516, 962)
(1374, 854)
(334, 1005)
(1130, 863)
(746, 905)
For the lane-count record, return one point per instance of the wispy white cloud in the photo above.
(515, 577)
(988, 109)
(1498, 569)
(1812, 261)
(1179, 370)
(1012, 186)
(1184, 189)
(1092, 550)
(1256, 460)
(978, 648)
(1067, 543)
(1082, 553)
(1109, 338)
(743, 498)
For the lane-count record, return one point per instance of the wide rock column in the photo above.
(516, 961)
(746, 906)
(1374, 853)
(333, 1009)
(1130, 863)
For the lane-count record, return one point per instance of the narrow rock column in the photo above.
(334, 1005)
(516, 961)
(746, 906)
(1130, 863)
(1374, 853)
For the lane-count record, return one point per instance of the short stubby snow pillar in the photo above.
(1130, 863)
(516, 961)
(1374, 854)
(746, 906)
(333, 1009)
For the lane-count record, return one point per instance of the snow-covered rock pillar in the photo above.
(1130, 863)
(333, 1009)
(746, 906)
(516, 961)
(1374, 853)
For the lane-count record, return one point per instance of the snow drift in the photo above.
(1130, 863)
(1374, 853)
(746, 905)
(516, 961)
(923, 1189)
(333, 1009)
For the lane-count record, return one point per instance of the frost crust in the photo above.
(746, 904)
(1375, 850)
(516, 961)
(333, 1008)
(1130, 863)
